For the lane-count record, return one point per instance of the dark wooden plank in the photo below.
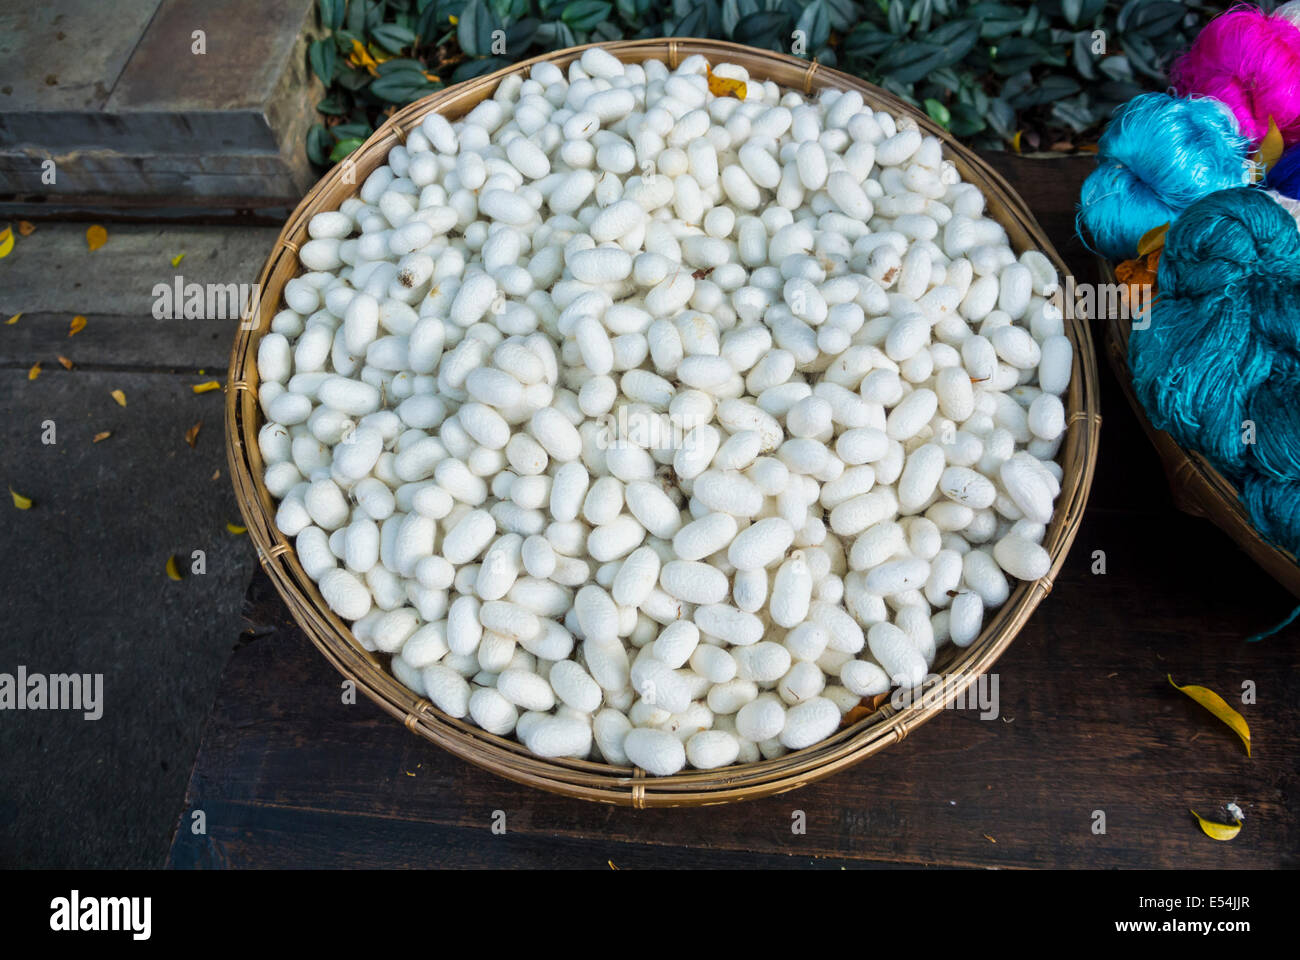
(1087, 722)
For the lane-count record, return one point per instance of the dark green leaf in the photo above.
(966, 120)
(401, 87)
(392, 38)
(351, 79)
(1074, 114)
(555, 36)
(347, 131)
(694, 24)
(322, 56)
(938, 112)
(1016, 54)
(1002, 118)
(997, 19)
(476, 68)
(332, 106)
(867, 41)
(1117, 67)
(843, 14)
(356, 18)
(897, 17)
(1142, 56)
(509, 9)
(343, 148)
(1044, 91)
(1084, 61)
(583, 15)
(474, 31)
(400, 65)
(815, 22)
(1081, 12)
(343, 42)
(957, 37)
(1157, 20)
(909, 61)
(332, 13)
(762, 29)
(1118, 91)
(428, 24)
(520, 34)
(319, 144)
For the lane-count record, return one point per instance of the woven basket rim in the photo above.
(597, 781)
(1199, 488)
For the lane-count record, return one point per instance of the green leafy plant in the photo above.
(1030, 74)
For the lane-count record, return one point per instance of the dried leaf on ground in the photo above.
(1217, 831)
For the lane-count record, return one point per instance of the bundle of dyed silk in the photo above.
(1158, 155)
(1218, 364)
(1218, 368)
(1249, 61)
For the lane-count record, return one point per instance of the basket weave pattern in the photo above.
(597, 781)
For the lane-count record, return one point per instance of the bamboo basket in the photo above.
(628, 786)
(1196, 486)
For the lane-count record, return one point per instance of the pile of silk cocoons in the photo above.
(654, 427)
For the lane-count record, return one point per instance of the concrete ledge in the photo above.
(115, 95)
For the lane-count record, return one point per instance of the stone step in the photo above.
(173, 102)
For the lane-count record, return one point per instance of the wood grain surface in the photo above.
(1087, 727)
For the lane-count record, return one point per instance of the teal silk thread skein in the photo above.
(1218, 367)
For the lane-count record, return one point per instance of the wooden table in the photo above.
(290, 775)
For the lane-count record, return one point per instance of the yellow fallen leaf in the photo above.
(77, 325)
(14, 319)
(454, 19)
(1015, 141)
(96, 236)
(21, 502)
(26, 228)
(192, 434)
(6, 242)
(236, 529)
(172, 571)
(726, 86)
(1152, 240)
(206, 387)
(360, 57)
(176, 260)
(102, 435)
(1217, 831)
(67, 364)
(35, 371)
(120, 397)
(1270, 148)
(1215, 704)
